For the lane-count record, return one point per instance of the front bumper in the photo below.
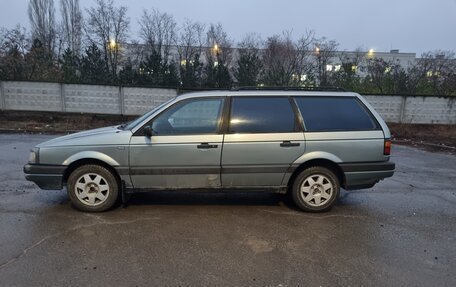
(366, 175)
(49, 177)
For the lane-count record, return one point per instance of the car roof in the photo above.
(261, 93)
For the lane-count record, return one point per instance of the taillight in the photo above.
(387, 147)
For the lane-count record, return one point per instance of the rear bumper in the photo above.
(366, 175)
(49, 177)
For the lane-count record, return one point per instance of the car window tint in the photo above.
(334, 114)
(200, 116)
(261, 115)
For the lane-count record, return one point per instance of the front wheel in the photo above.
(92, 188)
(315, 189)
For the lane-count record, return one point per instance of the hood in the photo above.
(101, 136)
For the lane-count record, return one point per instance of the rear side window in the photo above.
(335, 114)
(261, 115)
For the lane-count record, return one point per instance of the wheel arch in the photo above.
(331, 165)
(87, 161)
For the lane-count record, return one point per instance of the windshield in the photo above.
(134, 123)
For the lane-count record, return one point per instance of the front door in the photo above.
(184, 150)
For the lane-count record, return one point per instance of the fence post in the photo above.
(2, 96)
(121, 100)
(62, 97)
(402, 111)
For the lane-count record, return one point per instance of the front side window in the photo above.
(196, 116)
(262, 115)
(334, 114)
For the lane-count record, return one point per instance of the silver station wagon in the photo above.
(307, 143)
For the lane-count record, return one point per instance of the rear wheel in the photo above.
(315, 189)
(92, 188)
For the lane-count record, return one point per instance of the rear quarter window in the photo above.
(335, 114)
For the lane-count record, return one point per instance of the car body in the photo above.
(225, 140)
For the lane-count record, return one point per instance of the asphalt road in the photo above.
(401, 232)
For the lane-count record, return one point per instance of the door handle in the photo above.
(206, 146)
(289, 144)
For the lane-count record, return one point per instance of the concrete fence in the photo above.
(57, 97)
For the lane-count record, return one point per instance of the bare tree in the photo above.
(190, 42)
(433, 73)
(287, 62)
(218, 57)
(14, 38)
(14, 45)
(387, 76)
(42, 19)
(136, 53)
(347, 75)
(72, 24)
(247, 70)
(218, 44)
(352, 60)
(305, 63)
(444, 73)
(107, 27)
(158, 30)
(325, 50)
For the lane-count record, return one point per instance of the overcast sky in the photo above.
(407, 25)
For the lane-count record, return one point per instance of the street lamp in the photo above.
(371, 52)
(216, 52)
(112, 44)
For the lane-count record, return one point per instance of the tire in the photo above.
(92, 188)
(315, 189)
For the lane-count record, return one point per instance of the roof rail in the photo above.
(323, 88)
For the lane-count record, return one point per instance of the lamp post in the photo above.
(216, 67)
(112, 50)
(317, 52)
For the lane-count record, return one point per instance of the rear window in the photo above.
(335, 114)
(261, 115)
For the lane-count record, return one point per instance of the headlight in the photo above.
(34, 156)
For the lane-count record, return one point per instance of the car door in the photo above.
(184, 150)
(264, 137)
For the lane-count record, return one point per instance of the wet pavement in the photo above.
(401, 232)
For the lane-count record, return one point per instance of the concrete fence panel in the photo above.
(138, 101)
(32, 96)
(389, 107)
(92, 99)
(430, 110)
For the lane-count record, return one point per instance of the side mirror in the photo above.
(148, 131)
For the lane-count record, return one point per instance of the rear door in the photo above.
(264, 137)
(184, 150)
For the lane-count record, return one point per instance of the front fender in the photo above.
(91, 155)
